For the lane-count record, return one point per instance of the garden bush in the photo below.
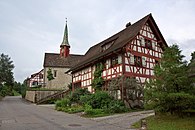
(75, 97)
(63, 103)
(85, 99)
(97, 104)
(116, 106)
(100, 100)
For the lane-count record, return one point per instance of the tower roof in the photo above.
(65, 39)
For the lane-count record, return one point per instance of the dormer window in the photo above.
(107, 45)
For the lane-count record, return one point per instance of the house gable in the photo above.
(117, 42)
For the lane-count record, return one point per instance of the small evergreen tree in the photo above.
(6, 75)
(6, 68)
(50, 75)
(170, 90)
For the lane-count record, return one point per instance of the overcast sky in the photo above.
(29, 28)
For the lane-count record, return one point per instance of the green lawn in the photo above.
(168, 122)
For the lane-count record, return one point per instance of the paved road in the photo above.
(17, 114)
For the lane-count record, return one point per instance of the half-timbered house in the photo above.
(132, 52)
(35, 79)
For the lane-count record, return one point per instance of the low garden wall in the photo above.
(36, 95)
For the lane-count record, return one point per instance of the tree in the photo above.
(6, 75)
(6, 68)
(191, 72)
(170, 90)
(191, 67)
(133, 91)
(49, 75)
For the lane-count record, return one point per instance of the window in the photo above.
(142, 41)
(108, 63)
(40, 76)
(119, 59)
(114, 61)
(62, 52)
(34, 83)
(148, 43)
(107, 45)
(156, 62)
(132, 60)
(144, 61)
(55, 73)
(138, 61)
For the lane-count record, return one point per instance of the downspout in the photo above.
(123, 76)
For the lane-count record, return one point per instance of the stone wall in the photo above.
(37, 95)
(60, 81)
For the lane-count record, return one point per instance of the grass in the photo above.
(71, 110)
(96, 115)
(168, 122)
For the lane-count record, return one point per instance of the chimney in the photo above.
(128, 24)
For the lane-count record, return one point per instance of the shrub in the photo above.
(100, 100)
(75, 109)
(75, 97)
(63, 103)
(116, 106)
(85, 99)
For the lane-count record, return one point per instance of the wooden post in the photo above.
(143, 124)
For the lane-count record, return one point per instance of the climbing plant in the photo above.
(49, 75)
(98, 81)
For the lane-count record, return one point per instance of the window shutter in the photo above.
(153, 45)
(142, 41)
(144, 61)
(108, 63)
(132, 59)
(119, 59)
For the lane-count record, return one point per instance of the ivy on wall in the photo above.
(98, 81)
(50, 75)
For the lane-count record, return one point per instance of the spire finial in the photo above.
(66, 20)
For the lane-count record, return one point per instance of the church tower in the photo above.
(65, 47)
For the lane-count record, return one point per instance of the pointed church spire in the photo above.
(65, 39)
(65, 47)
